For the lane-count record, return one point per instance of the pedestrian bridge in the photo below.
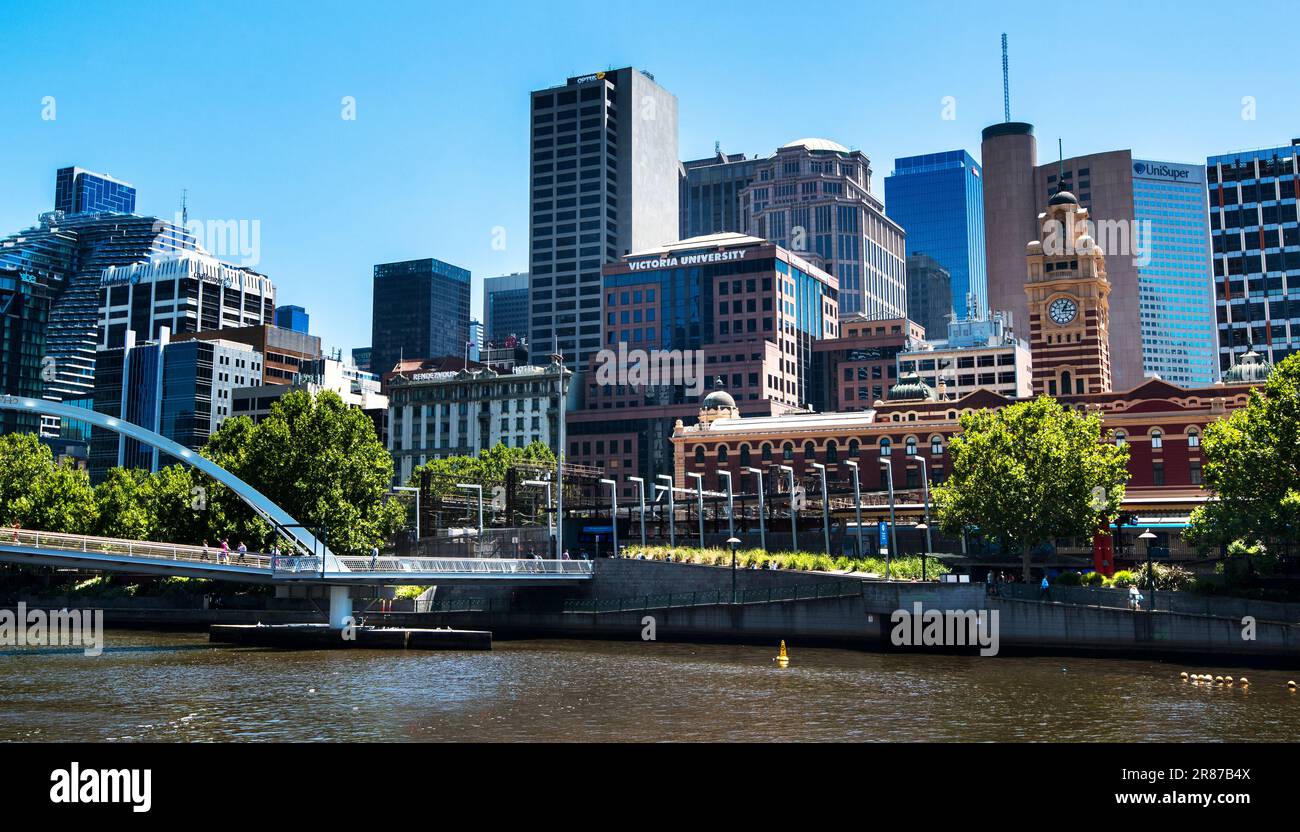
(71, 551)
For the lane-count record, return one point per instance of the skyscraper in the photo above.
(292, 317)
(78, 191)
(938, 199)
(1256, 242)
(603, 183)
(710, 193)
(814, 197)
(930, 297)
(505, 306)
(421, 310)
(24, 313)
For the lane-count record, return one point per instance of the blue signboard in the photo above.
(884, 534)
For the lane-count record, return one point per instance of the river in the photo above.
(149, 686)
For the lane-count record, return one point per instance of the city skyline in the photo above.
(377, 188)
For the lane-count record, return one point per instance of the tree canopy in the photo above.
(1252, 468)
(1027, 474)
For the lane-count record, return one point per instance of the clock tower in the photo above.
(1069, 314)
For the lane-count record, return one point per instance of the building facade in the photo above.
(292, 317)
(603, 183)
(181, 390)
(24, 314)
(435, 413)
(505, 306)
(938, 199)
(856, 369)
(930, 300)
(184, 292)
(710, 194)
(979, 353)
(1256, 251)
(79, 191)
(355, 387)
(286, 354)
(421, 309)
(813, 197)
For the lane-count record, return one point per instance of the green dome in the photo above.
(718, 398)
(1250, 369)
(911, 388)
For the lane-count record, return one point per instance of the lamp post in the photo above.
(925, 487)
(733, 541)
(478, 488)
(558, 360)
(794, 530)
(613, 512)
(417, 509)
(550, 530)
(857, 504)
(1151, 575)
(926, 528)
(699, 492)
(762, 532)
(672, 509)
(826, 508)
(640, 495)
(893, 537)
(731, 505)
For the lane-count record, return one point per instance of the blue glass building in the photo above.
(292, 317)
(78, 191)
(421, 310)
(938, 199)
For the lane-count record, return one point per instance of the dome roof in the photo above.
(718, 398)
(1063, 198)
(817, 144)
(1251, 369)
(911, 388)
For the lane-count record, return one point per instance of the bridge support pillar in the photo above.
(340, 606)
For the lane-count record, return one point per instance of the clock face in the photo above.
(1063, 310)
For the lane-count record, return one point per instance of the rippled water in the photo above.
(176, 687)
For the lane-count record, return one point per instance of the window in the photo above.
(1158, 473)
(1193, 438)
(936, 445)
(699, 454)
(911, 446)
(809, 451)
(832, 452)
(767, 452)
(787, 452)
(885, 447)
(1157, 440)
(854, 447)
(744, 455)
(722, 453)
(1120, 437)
(1194, 472)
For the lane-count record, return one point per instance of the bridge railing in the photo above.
(133, 548)
(470, 566)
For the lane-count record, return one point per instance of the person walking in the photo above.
(374, 557)
(243, 550)
(205, 549)
(1044, 594)
(225, 551)
(1134, 598)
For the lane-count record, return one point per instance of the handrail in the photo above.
(713, 597)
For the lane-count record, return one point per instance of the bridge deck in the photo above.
(68, 551)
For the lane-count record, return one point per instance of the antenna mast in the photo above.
(1006, 82)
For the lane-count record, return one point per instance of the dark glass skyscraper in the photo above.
(292, 317)
(938, 199)
(421, 310)
(929, 294)
(710, 193)
(78, 191)
(24, 312)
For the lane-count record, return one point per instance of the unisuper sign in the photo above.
(1166, 171)
(673, 261)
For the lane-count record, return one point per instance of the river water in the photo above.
(176, 687)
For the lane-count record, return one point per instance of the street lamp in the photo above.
(893, 538)
(1151, 575)
(734, 541)
(672, 509)
(925, 527)
(794, 530)
(558, 360)
(640, 495)
(417, 508)
(826, 508)
(613, 512)
(550, 530)
(731, 506)
(699, 491)
(762, 532)
(857, 504)
(925, 485)
(479, 489)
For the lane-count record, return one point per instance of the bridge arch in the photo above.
(256, 500)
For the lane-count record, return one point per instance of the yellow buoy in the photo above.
(782, 658)
(1183, 675)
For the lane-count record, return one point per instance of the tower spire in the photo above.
(1006, 82)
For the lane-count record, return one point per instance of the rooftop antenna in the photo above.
(1060, 169)
(717, 148)
(1006, 82)
(185, 211)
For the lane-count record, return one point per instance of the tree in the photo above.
(1027, 474)
(1252, 468)
(315, 457)
(39, 493)
(120, 511)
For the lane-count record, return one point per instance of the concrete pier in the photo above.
(318, 636)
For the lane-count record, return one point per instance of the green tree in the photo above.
(1027, 474)
(1252, 468)
(121, 512)
(315, 457)
(38, 493)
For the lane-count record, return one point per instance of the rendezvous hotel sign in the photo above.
(673, 261)
(1168, 171)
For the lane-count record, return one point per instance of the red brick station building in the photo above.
(1068, 326)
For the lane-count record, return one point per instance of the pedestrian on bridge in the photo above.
(243, 550)
(374, 557)
(17, 528)
(205, 550)
(224, 557)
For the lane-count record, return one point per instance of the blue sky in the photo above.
(240, 104)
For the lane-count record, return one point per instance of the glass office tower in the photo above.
(505, 306)
(78, 191)
(1256, 245)
(292, 317)
(710, 193)
(938, 199)
(421, 310)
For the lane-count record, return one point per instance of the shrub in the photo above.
(409, 592)
(1123, 579)
(1092, 579)
(1069, 579)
